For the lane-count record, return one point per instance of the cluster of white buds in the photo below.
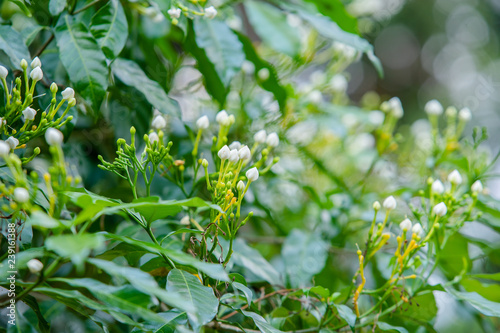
(455, 178)
(174, 13)
(440, 209)
(34, 266)
(390, 203)
(54, 137)
(202, 123)
(433, 108)
(437, 187)
(159, 122)
(210, 12)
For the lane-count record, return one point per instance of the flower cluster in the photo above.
(176, 12)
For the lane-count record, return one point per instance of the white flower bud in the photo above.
(260, 136)
(224, 153)
(158, 17)
(263, 74)
(153, 137)
(376, 206)
(252, 174)
(244, 153)
(417, 230)
(34, 266)
(29, 113)
(434, 108)
(234, 156)
(231, 119)
(159, 122)
(376, 117)
(3, 122)
(464, 114)
(248, 67)
(54, 137)
(36, 74)
(174, 12)
(240, 186)
(68, 93)
(222, 118)
(477, 187)
(13, 142)
(396, 107)
(186, 220)
(3, 72)
(202, 123)
(338, 83)
(405, 225)
(455, 178)
(24, 64)
(210, 12)
(451, 112)
(440, 209)
(273, 140)
(36, 63)
(235, 145)
(437, 187)
(4, 149)
(21, 195)
(390, 203)
(315, 97)
(204, 163)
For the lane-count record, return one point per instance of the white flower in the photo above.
(263, 74)
(158, 17)
(222, 118)
(376, 206)
(35, 266)
(13, 142)
(36, 74)
(464, 114)
(54, 137)
(437, 187)
(210, 12)
(231, 119)
(338, 83)
(203, 123)
(235, 145)
(224, 153)
(345, 50)
(174, 12)
(244, 153)
(153, 137)
(159, 122)
(318, 78)
(315, 97)
(260, 136)
(417, 230)
(376, 117)
(3, 72)
(248, 67)
(273, 140)
(29, 113)
(240, 186)
(68, 93)
(21, 195)
(396, 107)
(390, 203)
(252, 174)
(234, 156)
(186, 220)
(4, 148)
(477, 187)
(434, 108)
(440, 209)
(455, 178)
(36, 63)
(405, 225)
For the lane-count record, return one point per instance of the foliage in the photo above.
(332, 217)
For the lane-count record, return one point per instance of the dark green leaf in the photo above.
(76, 247)
(386, 327)
(11, 42)
(480, 303)
(261, 323)
(83, 59)
(200, 297)
(247, 291)
(57, 6)
(347, 314)
(110, 28)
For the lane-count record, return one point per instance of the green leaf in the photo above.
(132, 75)
(11, 42)
(171, 319)
(57, 6)
(272, 27)
(386, 327)
(494, 277)
(347, 314)
(272, 84)
(261, 323)
(110, 28)
(76, 247)
(215, 271)
(480, 303)
(304, 255)
(22, 5)
(335, 10)
(200, 297)
(41, 219)
(83, 59)
(221, 46)
(247, 291)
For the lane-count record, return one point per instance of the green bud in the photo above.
(24, 64)
(54, 88)
(204, 162)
